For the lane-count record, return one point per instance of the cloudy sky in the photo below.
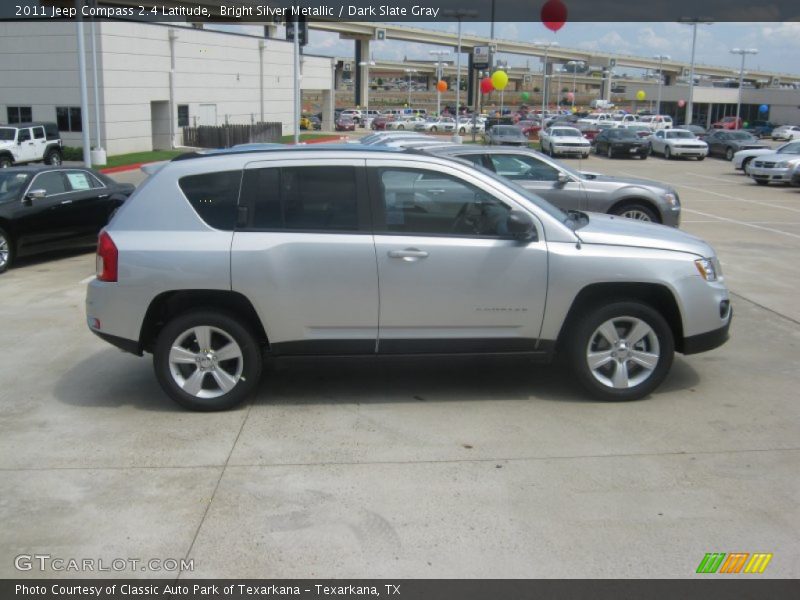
(778, 43)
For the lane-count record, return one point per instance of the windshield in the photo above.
(506, 130)
(623, 134)
(793, 148)
(740, 135)
(684, 135)
(7, 134)
(566, 132)
(12, 183)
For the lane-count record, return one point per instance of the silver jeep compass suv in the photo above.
(220, 259)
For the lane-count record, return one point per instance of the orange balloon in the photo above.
(441, 86)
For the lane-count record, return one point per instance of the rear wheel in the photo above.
(433, 129)
(6, 251)
(207, 360)
(401, 127)
(609, 153)
(701, 158)
(637, 212)
(621, 351)
(462, 131)
(53, 157)
(5, 162)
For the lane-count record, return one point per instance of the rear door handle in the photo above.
(409, 254)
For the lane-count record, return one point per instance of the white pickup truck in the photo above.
(596, 118)
(24, 143)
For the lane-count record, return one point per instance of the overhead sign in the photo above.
(481, 57)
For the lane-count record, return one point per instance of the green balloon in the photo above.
(746, 124)
(525, 96)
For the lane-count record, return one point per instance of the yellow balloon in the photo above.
(499, 80)
(640, 95)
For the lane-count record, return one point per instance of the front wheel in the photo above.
(667, 153)
(6, 251)
(729, 154)
(207, 360)
(462, 131)
(433, 129)
(761, 181)
(621, 351)
(609, 153)
(637, 212)
(701, 158)
(400, 127)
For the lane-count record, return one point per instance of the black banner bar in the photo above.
(747, 587)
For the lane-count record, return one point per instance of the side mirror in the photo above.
(520, 225)
(35, 195)
(563, 177)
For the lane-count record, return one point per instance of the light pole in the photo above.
(689, 102)
(459, 14)
(661, 58)
(574, 64)
(544, 74)
(366, 64)
(439, 54)
(409, 72)
(743, 52)
(502, 67)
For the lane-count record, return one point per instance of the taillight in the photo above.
(107, 258)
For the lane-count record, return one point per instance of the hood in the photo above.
(7, 143)
(754, 152)
(619, 231)
(776, 157)
(626, 180)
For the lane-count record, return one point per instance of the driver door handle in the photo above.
(409, 254)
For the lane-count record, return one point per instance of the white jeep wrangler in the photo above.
(23, 143)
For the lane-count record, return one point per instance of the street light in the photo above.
(439, 54)
(502, 67)
(661, 58)
(574, 64)
(544, 74)
(743, 52)
(689, 102)
(409, 72)
(459, 14)
(366, 64)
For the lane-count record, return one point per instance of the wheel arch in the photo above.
(630, 200)
(170, 304)
(656, 295)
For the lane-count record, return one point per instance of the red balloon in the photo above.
(554, 14)
(486, 85)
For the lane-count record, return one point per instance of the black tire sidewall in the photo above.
(6, 162)
(48, 159)
(251, 354)
(10, 243)
(578, 340)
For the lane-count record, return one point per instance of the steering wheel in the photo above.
(464, 222)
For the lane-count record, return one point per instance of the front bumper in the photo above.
(693, 151)
(783, 175)
(583, 149)
(703, 342)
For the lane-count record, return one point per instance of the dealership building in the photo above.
(153, 80)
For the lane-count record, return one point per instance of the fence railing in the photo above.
(225, 136)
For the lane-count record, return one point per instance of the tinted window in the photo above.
(302, 198)
(38, 133)
(214, 196)
(51, 182)
(427, 202)
(522, 167)
(24, 135)
(11, 183)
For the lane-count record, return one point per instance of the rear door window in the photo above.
(214, 196)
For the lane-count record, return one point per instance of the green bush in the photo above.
(70, 153)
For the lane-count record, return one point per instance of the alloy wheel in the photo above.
(636, 214)
(623, 352)
(205, 362)
(4, 251)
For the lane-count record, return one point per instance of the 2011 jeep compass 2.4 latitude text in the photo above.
(219, 259)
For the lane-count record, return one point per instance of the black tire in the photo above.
(610, 152)
(581, 338)
(6, 162)
(701, 158)
(643, 156)
(667, 153)
(433, 129)
(761, 181)
(54, 157)
(462, 131)
(251, 359)
(6, 251)
(401, 127)
(597, 150)
(729, 153)
(631, 208)
(745, 164)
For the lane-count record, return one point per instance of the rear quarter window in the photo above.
(214, 196)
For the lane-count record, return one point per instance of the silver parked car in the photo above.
(218, 260)
(570, 189)
(506, 135)
(677, 143)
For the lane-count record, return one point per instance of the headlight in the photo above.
(784, 164)
(708, 268)
(672, 200)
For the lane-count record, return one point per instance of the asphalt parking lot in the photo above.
(417, 468)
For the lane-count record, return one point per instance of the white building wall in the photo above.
(38, 65)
